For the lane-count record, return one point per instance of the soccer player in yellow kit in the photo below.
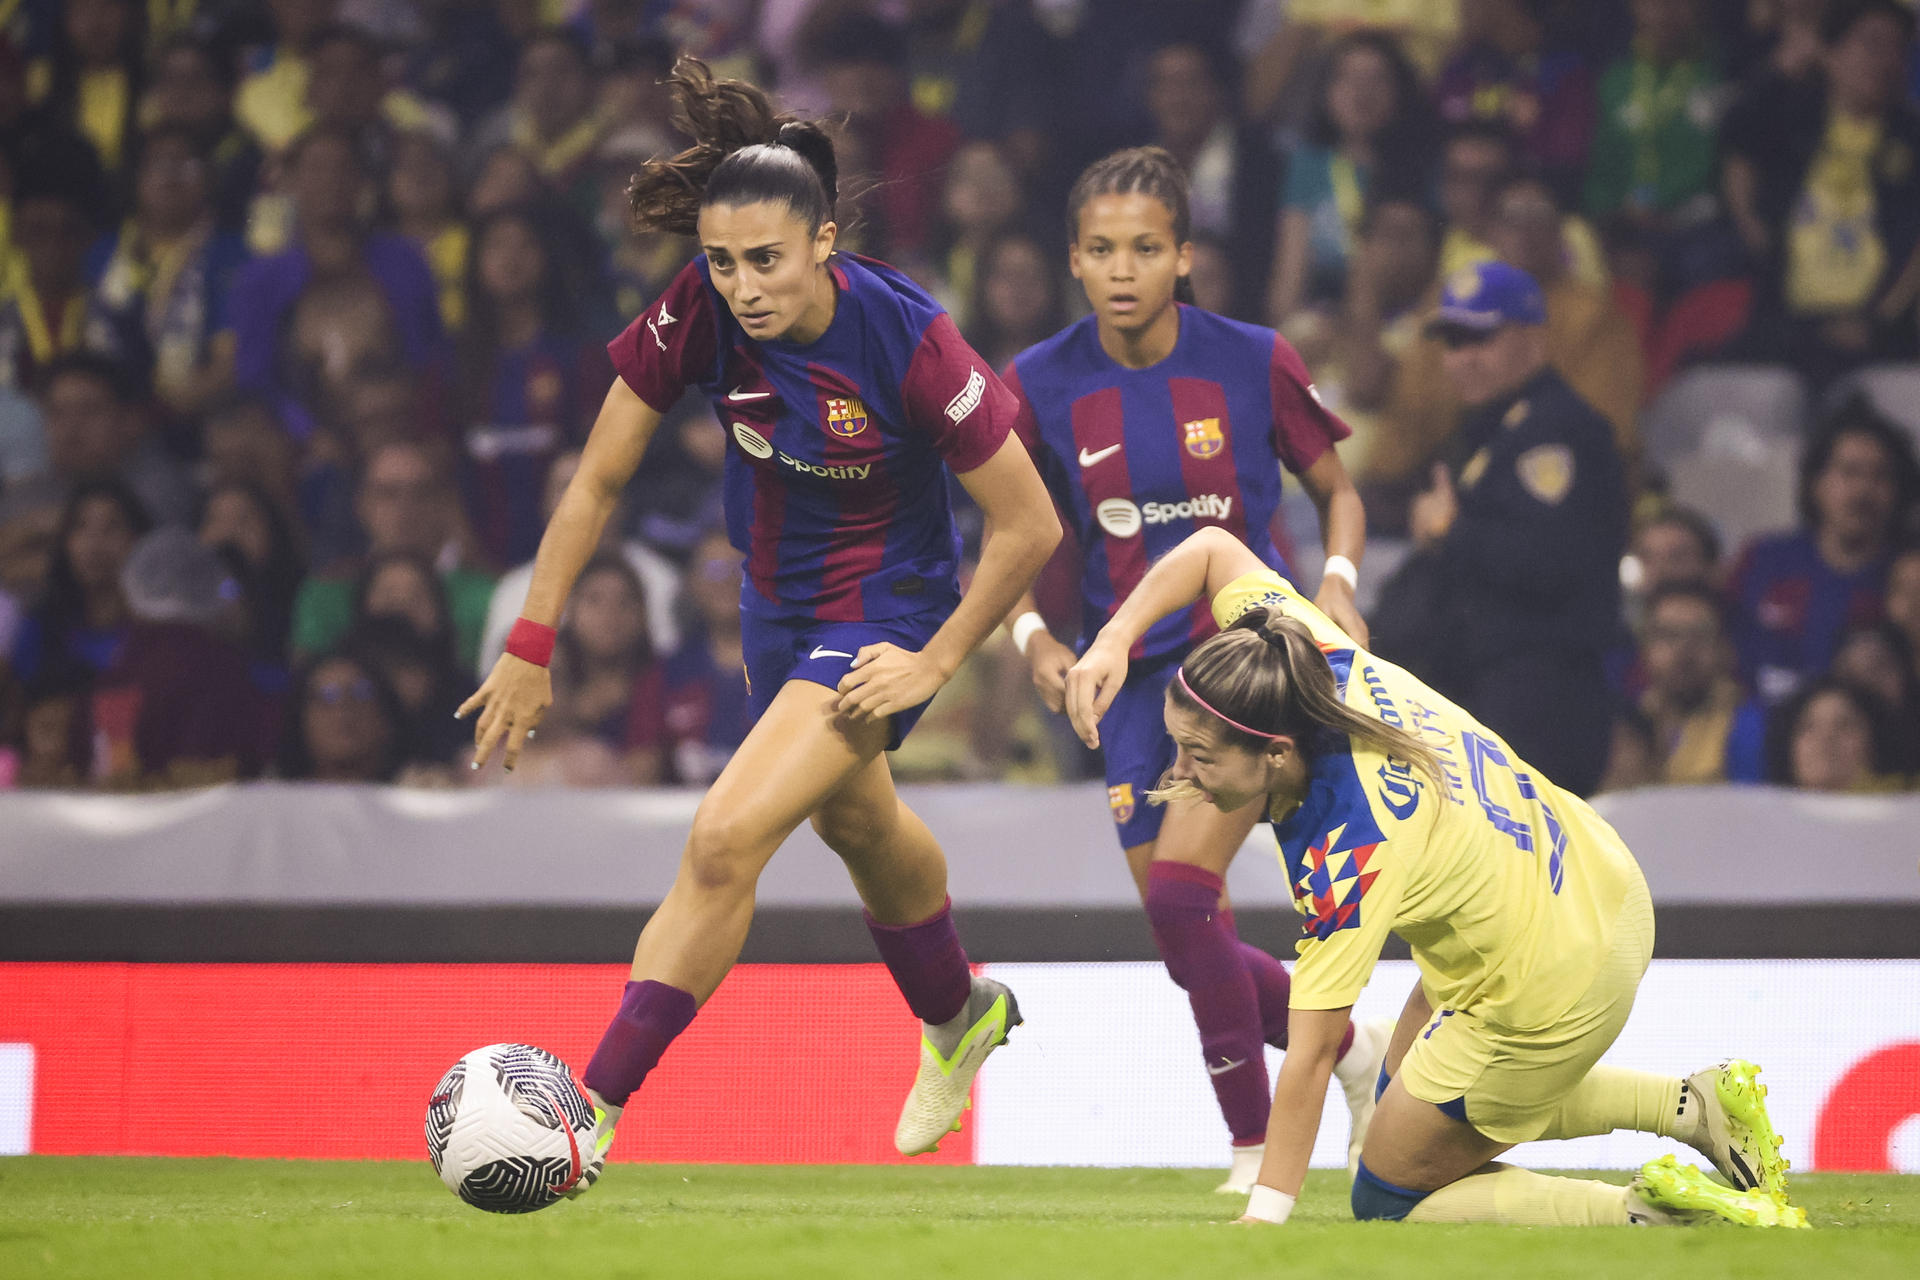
(1397, 812)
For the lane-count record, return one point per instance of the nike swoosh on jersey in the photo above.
(1088, 459)
(748, 395)
(1224, 1067)
(828, 653)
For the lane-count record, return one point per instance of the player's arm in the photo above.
(1204, 565)
(1022, 531)
(1313, 1044)
(1047, 659)
(517, 693)
(1343, 531)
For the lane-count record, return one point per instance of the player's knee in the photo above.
(719, 852)
(1375, 1199)
(852, 831)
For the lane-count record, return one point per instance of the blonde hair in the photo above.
(1266, 673)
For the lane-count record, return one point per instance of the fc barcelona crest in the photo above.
(1204, 437)
(1120, 799)
(846, 417)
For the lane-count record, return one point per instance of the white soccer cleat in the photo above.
(1245, 1171)
(1358, 1073)
(950, 1056)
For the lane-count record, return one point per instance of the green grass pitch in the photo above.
(157, 1219)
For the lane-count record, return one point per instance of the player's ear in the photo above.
(1073, 257)
(1183, 259)
(823, 242)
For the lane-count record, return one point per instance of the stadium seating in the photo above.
(1894, 390)
(1728, 438)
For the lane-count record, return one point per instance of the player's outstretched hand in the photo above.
(1050, 661)
(887, 679)
(1092, 684)
(511, 702)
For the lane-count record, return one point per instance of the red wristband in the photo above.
(531, 641)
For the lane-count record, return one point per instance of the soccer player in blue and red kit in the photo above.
(1150, 419)
(848, 396)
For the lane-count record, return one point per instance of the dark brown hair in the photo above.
(743, 152)
(1147, 171)
(1266, 672)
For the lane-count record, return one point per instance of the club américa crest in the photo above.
(1203, 436)
(1120, 800)
(846, 417)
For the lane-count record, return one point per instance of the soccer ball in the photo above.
(508, 1130)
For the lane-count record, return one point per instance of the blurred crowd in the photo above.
(304, 305)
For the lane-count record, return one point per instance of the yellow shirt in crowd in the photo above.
(1835, 256)
(1505, 887)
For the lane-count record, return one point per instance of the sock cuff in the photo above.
(946, 909)
(1184, 873)
(1375, 1198)
(670, 1008)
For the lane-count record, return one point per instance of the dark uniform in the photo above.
(1531, 574)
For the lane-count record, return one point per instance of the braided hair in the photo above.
(1147, 171)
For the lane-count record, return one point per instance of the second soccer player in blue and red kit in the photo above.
(1150, 419)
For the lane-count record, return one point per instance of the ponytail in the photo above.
(1265, 677)
(743, 152)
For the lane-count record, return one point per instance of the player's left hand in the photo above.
(887, 679)
(1335, 599)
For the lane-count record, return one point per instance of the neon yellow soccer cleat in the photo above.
(1736, 1133)
(1681, 1193)
(950, 1057)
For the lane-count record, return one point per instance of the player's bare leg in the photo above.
(1238, 992)
(798, 756)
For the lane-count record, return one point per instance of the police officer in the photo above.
(1525, 528)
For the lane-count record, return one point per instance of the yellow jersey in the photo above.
(1505, 887)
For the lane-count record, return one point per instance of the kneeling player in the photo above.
(1530, 921)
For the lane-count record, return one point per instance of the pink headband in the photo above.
(1180, 674)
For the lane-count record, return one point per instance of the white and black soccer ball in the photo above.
(508, 1130)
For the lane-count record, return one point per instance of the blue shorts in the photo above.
(1134, 740)
(779, 650)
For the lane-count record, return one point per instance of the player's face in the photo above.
(1127, 259)
(768, 267)
(1228, 777)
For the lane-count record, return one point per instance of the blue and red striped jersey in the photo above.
(838, 449)
(1137, 459)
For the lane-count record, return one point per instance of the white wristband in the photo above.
(1269, 1205)
(1023, 628)
(1342, 568)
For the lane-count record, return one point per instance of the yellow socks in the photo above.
(1615, 1098)
(1517, 1197)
